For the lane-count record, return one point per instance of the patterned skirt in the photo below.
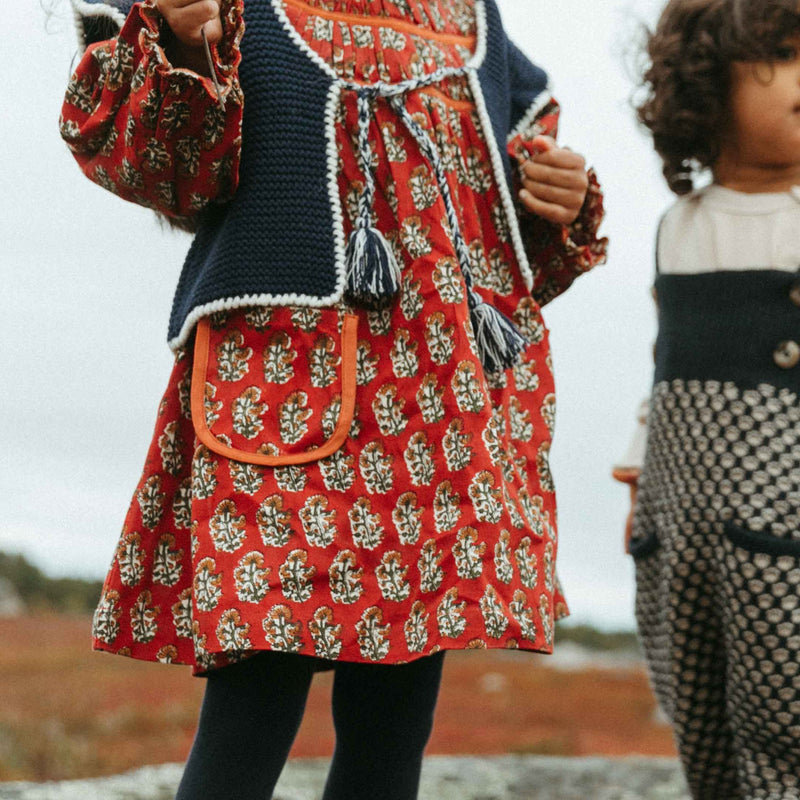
(351, 484)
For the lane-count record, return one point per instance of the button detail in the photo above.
(787, 354)
(794, 294)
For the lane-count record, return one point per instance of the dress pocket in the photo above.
(275, 387)
(761, 542)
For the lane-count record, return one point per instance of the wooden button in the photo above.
(794, 294)
(787, 354)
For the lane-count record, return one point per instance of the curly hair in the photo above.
(687, 79)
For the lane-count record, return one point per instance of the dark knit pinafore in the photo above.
(717, 529)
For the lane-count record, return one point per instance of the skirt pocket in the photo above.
(275, 392)
(761, 609)
(761, 542)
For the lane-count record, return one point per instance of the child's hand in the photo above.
(554, 181)
(186, 19)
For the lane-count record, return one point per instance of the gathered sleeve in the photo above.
(152, 133)
(558, 254)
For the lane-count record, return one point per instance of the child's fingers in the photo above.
(555, 176)
(552, 212)
(568, 198)
(187, 21)
(213, 30)
(541, 144)
(560, 157)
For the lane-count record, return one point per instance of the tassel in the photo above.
(499, 341)
(373, 275)
(371, 271)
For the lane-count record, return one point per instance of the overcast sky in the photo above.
(88, 282)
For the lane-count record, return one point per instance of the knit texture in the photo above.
(278, 240)
(725, 326)
(276, 237)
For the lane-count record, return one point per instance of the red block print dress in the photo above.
(336, 482)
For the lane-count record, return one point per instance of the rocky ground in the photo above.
(444, 778)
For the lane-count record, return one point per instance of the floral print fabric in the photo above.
(433, 526)
(151, 134)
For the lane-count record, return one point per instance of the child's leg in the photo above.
(761, 580)
(383, 716)
(678, 616)
(682, 639)
(250, 716)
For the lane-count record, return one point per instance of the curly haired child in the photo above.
(716, 523)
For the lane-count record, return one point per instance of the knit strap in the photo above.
(499, 341)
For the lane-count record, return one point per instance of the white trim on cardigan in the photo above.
(81, 9)
(533, 111)
(500, 180)
(240, 301)
(334, 99)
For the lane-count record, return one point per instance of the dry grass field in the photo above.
(66, 712)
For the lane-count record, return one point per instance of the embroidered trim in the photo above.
(81, 9)
(474, 62)
(373, 21)
(331, 445)
(500, 179)
(534, 109)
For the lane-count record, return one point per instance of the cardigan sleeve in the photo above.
(152, 133)
(558, 254)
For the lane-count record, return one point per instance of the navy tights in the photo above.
(383, 715)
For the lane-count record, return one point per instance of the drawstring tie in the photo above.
(373, 275)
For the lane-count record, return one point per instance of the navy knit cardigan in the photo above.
(280, 239)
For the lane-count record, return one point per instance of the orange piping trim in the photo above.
(459, 105)
(384, 22)
(340, 433)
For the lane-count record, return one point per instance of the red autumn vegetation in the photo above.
(66, 712)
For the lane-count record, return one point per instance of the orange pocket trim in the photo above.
(340, 433)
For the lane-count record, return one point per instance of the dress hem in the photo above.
(200, 671)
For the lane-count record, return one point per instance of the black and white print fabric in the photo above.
(717, 551)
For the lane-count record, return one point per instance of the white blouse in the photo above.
(715, 228)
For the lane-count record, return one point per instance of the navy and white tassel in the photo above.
(372, 272)
(498, 340)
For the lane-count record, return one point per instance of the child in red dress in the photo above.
(350, 466)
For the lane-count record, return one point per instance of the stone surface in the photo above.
(444, 778)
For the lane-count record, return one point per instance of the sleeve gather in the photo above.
(152, 133)
(558, 254)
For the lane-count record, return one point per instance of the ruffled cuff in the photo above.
(225, 55)
(561, 253)
(579, 239)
